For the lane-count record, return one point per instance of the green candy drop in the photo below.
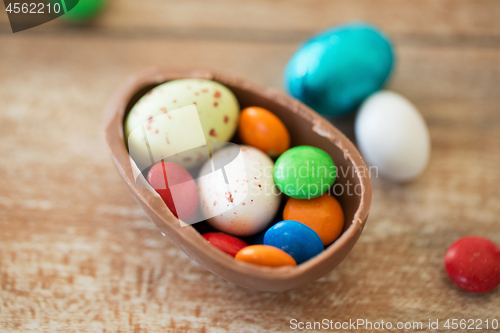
(304, 172)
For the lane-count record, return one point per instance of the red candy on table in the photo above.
(229, 244)
(164, 175)
(473, 264)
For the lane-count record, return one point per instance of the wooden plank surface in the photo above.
(230, 17)
(78, 255)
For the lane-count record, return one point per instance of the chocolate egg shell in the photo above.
(306, 128)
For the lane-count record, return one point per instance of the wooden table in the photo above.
(77, 254)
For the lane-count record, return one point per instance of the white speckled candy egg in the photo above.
(249, 200)
(217, 107)
(392, 135)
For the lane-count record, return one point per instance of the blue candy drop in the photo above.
(336, 70)
(295, 238)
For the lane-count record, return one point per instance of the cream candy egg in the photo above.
(392, 135)
(237, 191)
(216, 121)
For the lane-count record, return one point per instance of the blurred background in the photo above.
(78, 254)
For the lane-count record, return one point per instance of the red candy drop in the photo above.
(473, 264)
(164, 175)
(229, 244)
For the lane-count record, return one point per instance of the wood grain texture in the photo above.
(78, 255)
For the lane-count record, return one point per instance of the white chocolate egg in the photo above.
(217, 112)
(238, 195)
(392, 135)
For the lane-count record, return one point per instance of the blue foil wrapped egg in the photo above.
(336, 70)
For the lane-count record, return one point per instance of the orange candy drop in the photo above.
(261, 129)
(322, 214)
(265, 255)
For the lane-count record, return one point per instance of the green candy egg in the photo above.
(83, 11)
(178, 118)
(304, 172)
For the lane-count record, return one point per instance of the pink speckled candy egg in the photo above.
(238, 195)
